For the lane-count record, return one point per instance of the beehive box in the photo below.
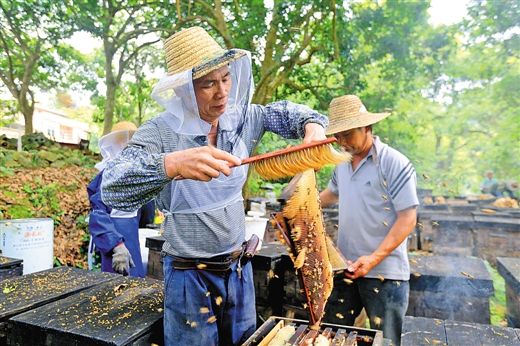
(331, 220)
(277, 287)
(338, 334)
(509, 268)
(124, 311)
(155, 266)
(421, 331)
(23, 293)
(453, 235)
(448, 287)
(424, 227)
(496, 236)
(269, 268)
(10, 267)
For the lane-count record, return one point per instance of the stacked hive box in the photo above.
(27, 292)
(428, 331)
(449, 287)
(122, 311)
(10, 267)
(509, 268)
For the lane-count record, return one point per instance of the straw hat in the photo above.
(124, 126)
(194, 48)
(348, 112)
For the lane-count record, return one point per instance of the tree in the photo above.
(32, 53)
(280, 38)
(125, 28)
(466, 120)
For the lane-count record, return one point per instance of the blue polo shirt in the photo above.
(383, 183)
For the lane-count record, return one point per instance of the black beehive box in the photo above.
(448, 287)
(30, 291)
(10, 267)
(509, 268)
(124, 311)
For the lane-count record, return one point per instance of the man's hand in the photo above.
(328, 198)
(314, 132)
(122, 260)
(203, 163)
(361, 267)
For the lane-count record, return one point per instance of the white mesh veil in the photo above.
(112, 144)
(176, 94)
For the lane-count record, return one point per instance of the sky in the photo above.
(447, 11)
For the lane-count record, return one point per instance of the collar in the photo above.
(374, 153)
(377, 149)
(224, 123)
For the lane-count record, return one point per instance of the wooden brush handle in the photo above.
(278, 153)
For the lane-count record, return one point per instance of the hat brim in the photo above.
(171, 81)
(363, 119)
(214, 64)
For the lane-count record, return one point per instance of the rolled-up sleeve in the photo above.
(137, 174)
(288, 119)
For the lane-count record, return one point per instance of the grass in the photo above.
(497, 302)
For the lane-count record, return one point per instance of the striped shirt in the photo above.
(383, 184)
(138, 175)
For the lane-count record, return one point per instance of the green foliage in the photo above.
(10, 159)
(6, 172)
(8, 112)
(497, 303)
(43, 199)
(20, 212)
(32, 53)
(453, 90)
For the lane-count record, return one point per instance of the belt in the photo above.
(217, 264)
(220, 263)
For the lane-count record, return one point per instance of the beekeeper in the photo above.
(115, 233)
(208, 124)
(377, 197)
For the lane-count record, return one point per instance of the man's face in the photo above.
(211, 92)
(490, 175)
(353, 140)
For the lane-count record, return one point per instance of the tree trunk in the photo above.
(264, 93)
(28, 119)
(110, 103)
(27, 110)
(139, 111)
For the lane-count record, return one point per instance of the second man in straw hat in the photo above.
(377, 211)
(208, 124)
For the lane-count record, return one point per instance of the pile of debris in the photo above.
(57, 193)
